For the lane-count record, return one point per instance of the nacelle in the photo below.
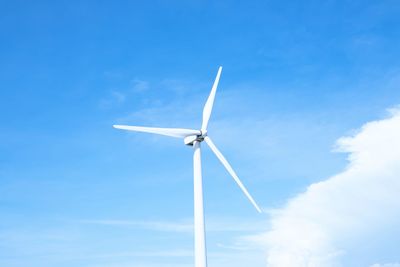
(189, 140)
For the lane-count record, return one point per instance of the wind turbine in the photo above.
(194, 138)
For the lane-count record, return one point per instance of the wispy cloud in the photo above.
(114, 98)
(141, 264)
(140, 85)
(338, 215)
(146, 254)
(185, 225)
(386, 265)
(148, 225)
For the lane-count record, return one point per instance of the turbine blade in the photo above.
(231, 171)
(174, 132)
(210, 101)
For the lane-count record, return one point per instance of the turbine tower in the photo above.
(194, 138)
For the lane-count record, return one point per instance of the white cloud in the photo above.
(323, 225)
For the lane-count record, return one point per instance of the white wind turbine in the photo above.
(194, 138)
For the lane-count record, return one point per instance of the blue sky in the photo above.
(298, 75)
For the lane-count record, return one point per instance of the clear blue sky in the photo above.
(76, 192)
